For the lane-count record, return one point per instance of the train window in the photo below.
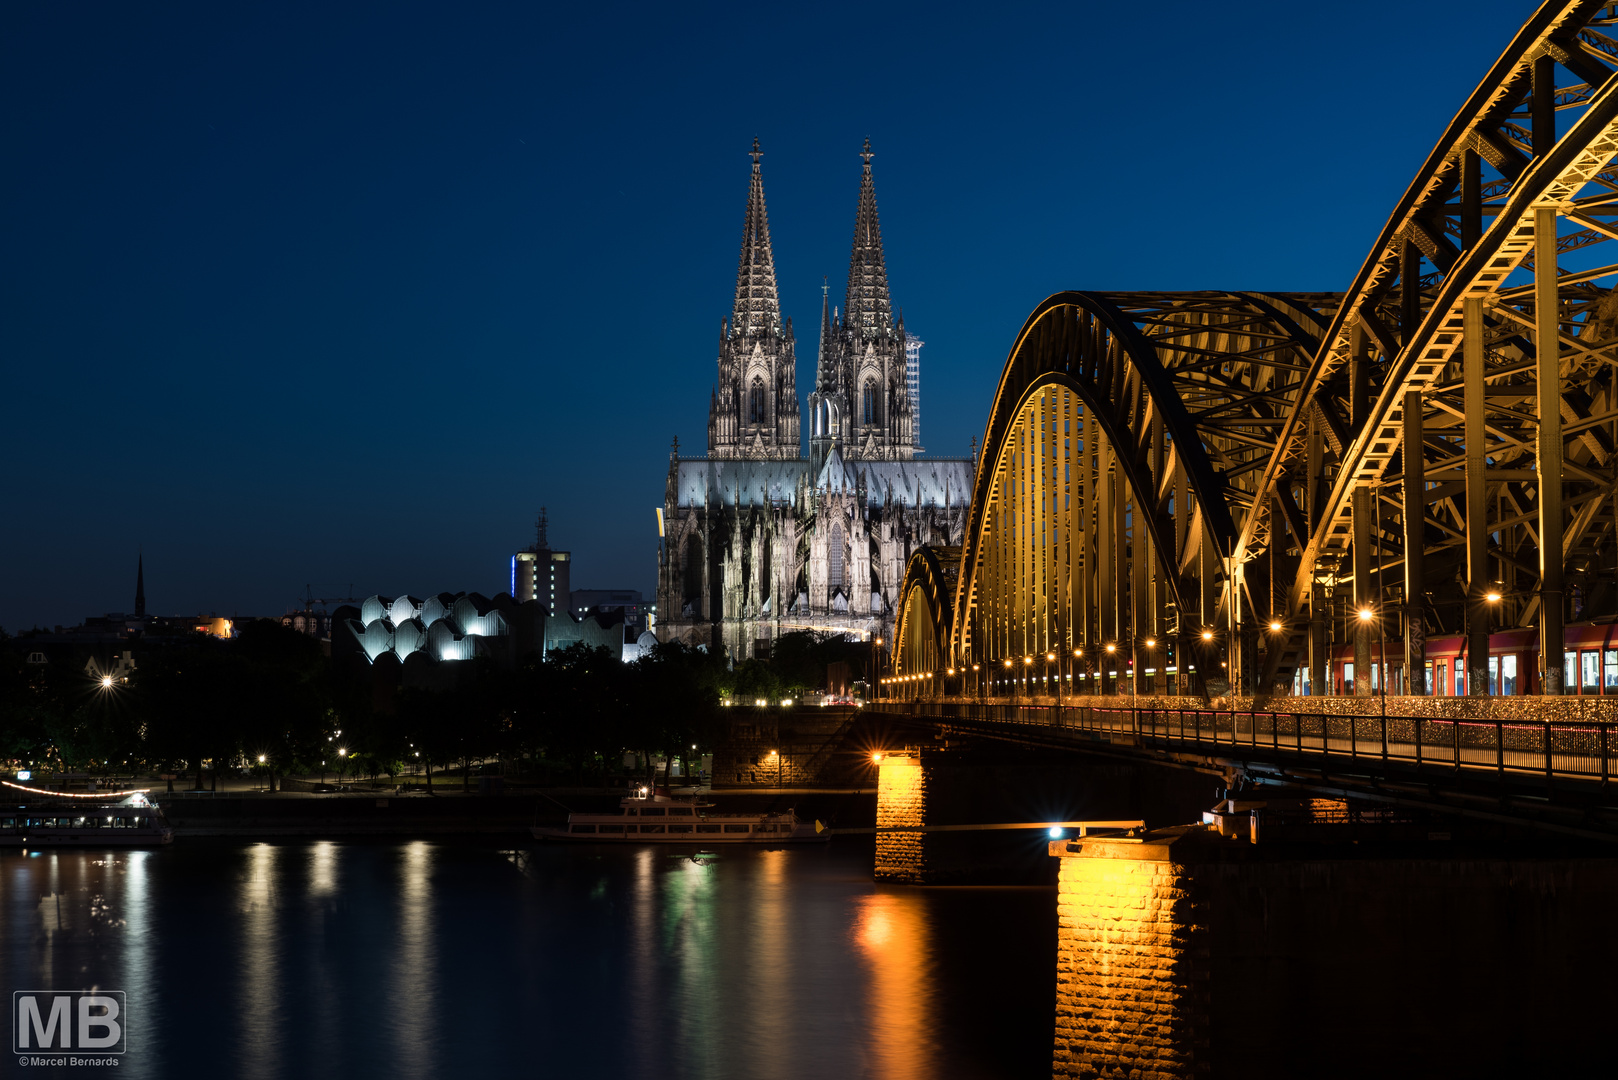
(1590, 672)
(1570, 671)
(1494, 674)
(1460, 679)
(1508, 675)
(1611, 680)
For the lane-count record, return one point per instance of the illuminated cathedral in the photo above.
(760, 540)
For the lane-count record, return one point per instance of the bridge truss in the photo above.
(1239, 481)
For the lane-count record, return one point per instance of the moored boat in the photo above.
(661, 819)
(36, 818)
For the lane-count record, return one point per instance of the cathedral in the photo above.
(761, 540)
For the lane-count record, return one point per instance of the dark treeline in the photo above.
(270, 700)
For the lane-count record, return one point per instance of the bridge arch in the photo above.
(921, 633)
(1120, 457)
(1477, 331)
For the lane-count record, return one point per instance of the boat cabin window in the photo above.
(680, 828)
(583, 828)
(707, 828)
(611, 828)
(679, 810)
(651, 828)
(736, 828)
(651, 811)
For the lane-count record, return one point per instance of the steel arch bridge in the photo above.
(1235, 481)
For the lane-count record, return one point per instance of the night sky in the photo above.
(343, 293)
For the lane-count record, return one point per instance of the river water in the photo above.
(435, 959)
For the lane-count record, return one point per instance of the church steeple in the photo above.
(140, 586)
(867, 309)
(758, 308)
(824, 375)
(754, 413)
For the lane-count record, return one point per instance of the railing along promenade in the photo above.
(1510, 748)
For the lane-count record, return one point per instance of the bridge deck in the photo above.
(1549, 750)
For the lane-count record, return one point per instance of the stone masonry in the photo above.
(1131, 989)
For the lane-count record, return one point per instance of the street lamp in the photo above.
(1049, 658)
(1366, 615)
(876, 643)
(1151, 643)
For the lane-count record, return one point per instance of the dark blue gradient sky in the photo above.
(344, 292)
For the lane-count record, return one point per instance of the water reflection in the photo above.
(260, 987)
(894, 935)
(414, 975)
(428, 959)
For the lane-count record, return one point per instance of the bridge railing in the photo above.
(1582, 750)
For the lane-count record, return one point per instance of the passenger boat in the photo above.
(661, 819)
(35, 818)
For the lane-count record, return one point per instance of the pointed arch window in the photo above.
(836, 560)
(869, 403)
(755, 402)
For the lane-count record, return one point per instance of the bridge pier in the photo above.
(1182, 953)
(1131, 962)
(901, 802)
(985, 785)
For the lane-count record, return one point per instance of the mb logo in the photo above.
(68, 1020)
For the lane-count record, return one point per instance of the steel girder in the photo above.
(1475, 330)
(1235, 457)
(1120, 464)
(921, 633)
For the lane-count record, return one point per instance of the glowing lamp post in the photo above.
(1366, 615)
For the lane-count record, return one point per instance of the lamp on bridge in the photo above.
(1151, 643)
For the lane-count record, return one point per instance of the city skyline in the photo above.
(288, 307)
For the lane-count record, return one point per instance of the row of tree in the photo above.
(269, 699)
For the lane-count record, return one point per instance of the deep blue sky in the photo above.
(345, 292)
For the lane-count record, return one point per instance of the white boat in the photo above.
(660, 819)
(36, 818)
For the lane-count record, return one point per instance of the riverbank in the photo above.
(264, 815)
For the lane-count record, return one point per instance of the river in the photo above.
(436, 959)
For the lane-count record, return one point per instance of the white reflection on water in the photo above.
(414, 977)
(260, 972)
(689, 935)
(316, 961)
(893, 932)
(323, 869)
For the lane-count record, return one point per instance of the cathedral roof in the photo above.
(758, 308)
(922, 482)
(749, 482)
(867, 308)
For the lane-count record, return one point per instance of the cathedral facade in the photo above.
(759, 539)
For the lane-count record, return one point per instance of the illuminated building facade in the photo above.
(760, 540)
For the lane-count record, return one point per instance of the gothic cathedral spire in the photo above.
(754, 413)
(758, 307)
(868, 308)
(861, 401)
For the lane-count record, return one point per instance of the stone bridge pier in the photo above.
(1184, 954)
(978, 785)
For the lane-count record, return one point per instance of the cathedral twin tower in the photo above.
(861, 404)
(760, 541)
